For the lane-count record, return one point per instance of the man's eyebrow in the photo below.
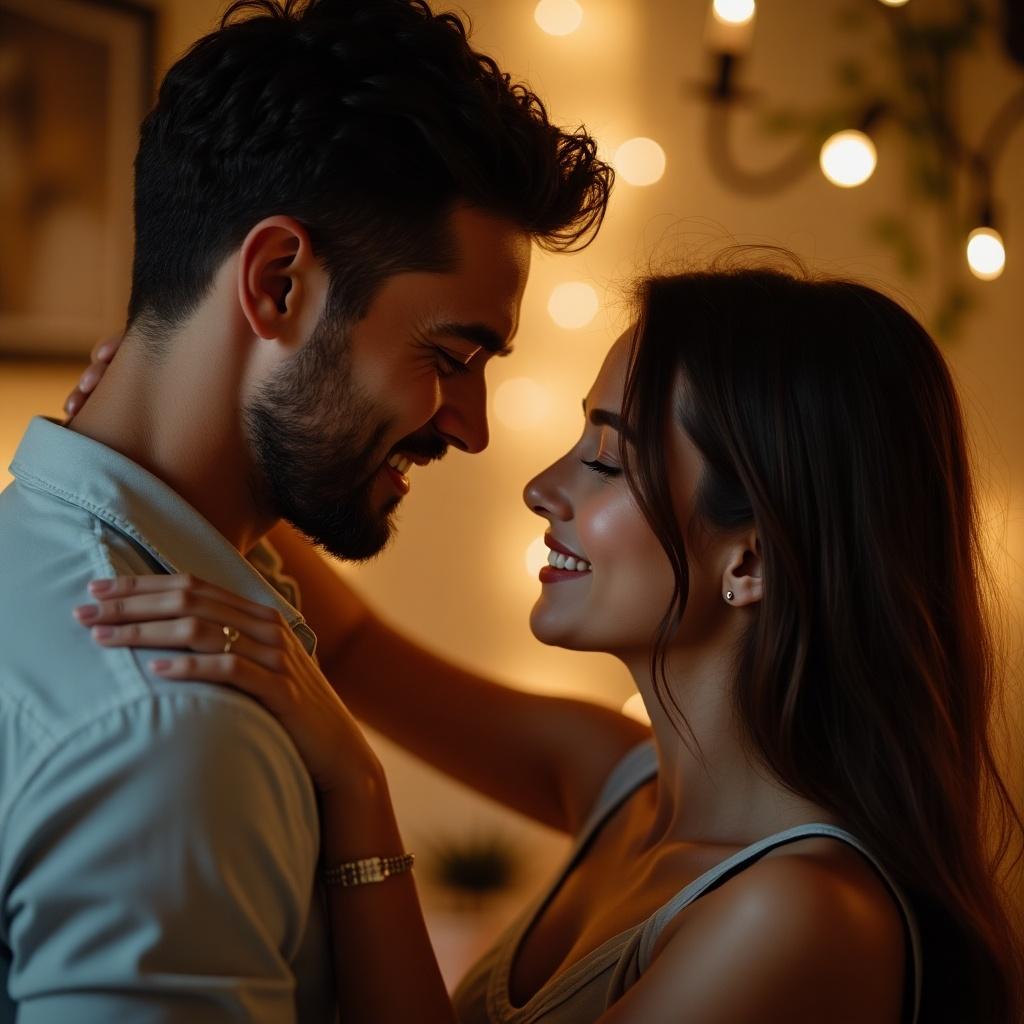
(607, 418)
(479, 334)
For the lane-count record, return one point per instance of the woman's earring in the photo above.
(729, 595)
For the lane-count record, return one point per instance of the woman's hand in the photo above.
(100, 357)
(241, 644)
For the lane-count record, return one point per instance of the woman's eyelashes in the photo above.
(601, 468)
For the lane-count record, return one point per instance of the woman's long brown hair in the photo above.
(828, 420)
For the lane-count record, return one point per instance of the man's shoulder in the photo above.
(51, 670)
(188, 756)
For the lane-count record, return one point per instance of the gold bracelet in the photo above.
(371, 869)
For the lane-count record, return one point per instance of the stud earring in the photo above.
(729, 595)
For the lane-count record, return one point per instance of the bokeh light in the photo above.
(536, 557)
(558, 17)
(894, 3)
(634, 708)
(640, 161)
(734, 12)
(521, 403)
(573, 304)
(848, 158)
(986, 254)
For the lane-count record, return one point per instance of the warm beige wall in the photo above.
(456, 574)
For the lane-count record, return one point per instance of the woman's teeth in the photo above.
(560, 561)
(400, 462)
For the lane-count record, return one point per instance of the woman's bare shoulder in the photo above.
(809, 932)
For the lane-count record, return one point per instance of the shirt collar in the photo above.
(139, 505)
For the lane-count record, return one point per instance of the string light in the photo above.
(634, 708)
(558, 17)
(894, 3)
(848, 158)
(986, 254)
(640, 161)
(521, 403)
(573, 304)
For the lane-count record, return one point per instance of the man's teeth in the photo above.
(400, 462)
(560, 561)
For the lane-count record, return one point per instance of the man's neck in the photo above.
(181, 420)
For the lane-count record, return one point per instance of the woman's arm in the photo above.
(546, 757)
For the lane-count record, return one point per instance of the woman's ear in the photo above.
(742, 580)
(281, 285)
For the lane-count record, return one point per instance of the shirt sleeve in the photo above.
(160, 866)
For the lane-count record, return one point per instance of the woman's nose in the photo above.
(546, 495)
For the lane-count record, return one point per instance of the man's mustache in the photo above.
(432, 448)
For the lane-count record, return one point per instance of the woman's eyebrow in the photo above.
(607, 418)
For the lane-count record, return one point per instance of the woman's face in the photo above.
(616, 603)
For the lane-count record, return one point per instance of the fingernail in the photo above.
(86, 612)
(103, 352)
(160, 666)
(101, 586)
(103, 632)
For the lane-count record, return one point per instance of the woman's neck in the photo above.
(710, 790)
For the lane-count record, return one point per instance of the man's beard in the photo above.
(317, 440)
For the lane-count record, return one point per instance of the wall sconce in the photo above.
(918, 106)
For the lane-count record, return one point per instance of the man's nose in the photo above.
(462, 417)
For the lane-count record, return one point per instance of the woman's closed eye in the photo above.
(602, 468)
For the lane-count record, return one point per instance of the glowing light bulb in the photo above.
(634, 708)
(573, 304)
(640, 161)
(894, 3)
(848, 158)
(734, 12)
(558, 17)
(521, 403)
(986, 254)
(536, 557)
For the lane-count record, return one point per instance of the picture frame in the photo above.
(76, 80)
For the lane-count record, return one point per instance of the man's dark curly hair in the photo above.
(366, 120)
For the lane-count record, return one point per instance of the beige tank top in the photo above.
(582, 993)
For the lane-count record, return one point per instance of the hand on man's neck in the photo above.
(181, 419)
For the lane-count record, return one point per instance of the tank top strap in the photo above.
(636, 767)
(655, 924)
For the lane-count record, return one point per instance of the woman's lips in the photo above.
(572, 566)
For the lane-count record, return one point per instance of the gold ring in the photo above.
(232, 635)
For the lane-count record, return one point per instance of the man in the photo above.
(334, 209)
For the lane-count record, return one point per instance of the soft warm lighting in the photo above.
(848, 158)
(521, 403)
(733, 12)
(536, 557)
(894, 3)
(558, 17)
(634, 707)
(640, 161)
(986, 254)
(573, 304)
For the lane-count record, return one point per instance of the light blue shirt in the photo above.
(158, 839)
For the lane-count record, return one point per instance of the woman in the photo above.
(772, 525)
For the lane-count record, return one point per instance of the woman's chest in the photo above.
(604, 896)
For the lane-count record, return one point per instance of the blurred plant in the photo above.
(473, 868)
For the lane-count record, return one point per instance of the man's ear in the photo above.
(743, 577)
(281, 285)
